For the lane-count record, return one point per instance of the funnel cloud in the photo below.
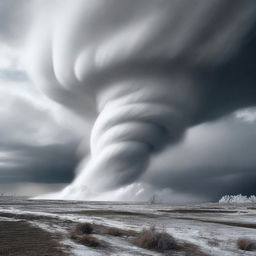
(143, 72)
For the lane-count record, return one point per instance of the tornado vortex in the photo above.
(135, 66)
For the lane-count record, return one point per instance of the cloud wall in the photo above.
(143, 71)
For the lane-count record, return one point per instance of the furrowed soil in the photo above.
(22, 239)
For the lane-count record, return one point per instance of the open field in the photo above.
(20, 238)
(57, 228)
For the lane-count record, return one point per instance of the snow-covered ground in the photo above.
(215, 228)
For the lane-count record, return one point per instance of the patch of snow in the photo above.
(237, 199)
(80, 250)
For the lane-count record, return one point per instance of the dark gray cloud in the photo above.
(37, 144)
(215, 158)
(231, 86)
(38, 164)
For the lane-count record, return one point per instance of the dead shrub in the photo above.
(84, 228)
(87, 240)
(154, 240)
(246, 244)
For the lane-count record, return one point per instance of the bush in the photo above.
(160, 241)
(86, 240)
(246, 244)
(82, 235)
(84, 228)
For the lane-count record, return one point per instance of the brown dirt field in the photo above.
(22, 239)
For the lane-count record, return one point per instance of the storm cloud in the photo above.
(147, 74)
(216, 158)
(35, 146)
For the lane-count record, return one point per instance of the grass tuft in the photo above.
(84, 228)
(246, 244)
(82, 235)
(154, 240)
(87, 228)
(86, 240)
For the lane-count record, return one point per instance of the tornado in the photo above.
(139, 69)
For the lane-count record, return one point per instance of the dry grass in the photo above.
(154, 240)
(246, 244)
(88, 228)
(150, 239)
(21, 239)
(82, 234)
(84, 228)
(87, 240)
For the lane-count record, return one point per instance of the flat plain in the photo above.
(51, 228)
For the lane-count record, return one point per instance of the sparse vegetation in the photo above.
(87, 240)
(149, 238)
(20, 238)
(246, 244)
(161, 241)
(154, 240)
(88, 228)
(82, 235)
(84, 228)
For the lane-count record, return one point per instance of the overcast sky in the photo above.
(41, 140)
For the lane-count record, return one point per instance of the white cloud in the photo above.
(27, 116)
(9, 57)
(247, 115)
